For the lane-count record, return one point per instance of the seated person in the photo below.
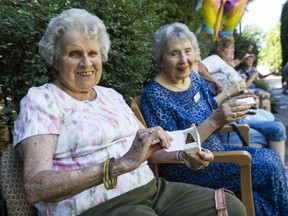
(233, 138)
(216, 85)
(250, 74)
(177, 97)
(217, 66)
(83, 150)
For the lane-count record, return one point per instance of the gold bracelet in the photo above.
(105, 179)
(109, 181)
(113, 180)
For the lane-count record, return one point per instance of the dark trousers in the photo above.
(160, 197)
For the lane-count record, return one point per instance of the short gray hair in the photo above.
(67, 21)
(168, 32)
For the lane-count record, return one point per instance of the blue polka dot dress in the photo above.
(177, 110)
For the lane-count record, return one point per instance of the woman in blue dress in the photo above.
(177, 98)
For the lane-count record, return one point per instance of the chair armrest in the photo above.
(242, 158)
(260, 98)
(244, 129)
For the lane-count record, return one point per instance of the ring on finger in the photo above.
(234, 115)
(151, 130)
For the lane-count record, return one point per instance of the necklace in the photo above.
(172, 83)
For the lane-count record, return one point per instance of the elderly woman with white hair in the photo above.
(178, 97)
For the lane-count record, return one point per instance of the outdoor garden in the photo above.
(130, 23)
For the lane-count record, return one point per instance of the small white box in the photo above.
(187, 140)
(248, 100)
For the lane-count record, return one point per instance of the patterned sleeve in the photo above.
(155, 112)
(38, 115)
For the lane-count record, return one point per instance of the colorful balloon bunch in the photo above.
(220, 17)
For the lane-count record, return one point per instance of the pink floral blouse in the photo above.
(89, 133)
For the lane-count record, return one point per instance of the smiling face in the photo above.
(79, 64)
(177, 59)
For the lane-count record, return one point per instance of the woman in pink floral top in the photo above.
(84, 152)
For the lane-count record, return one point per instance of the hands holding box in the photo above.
(248, 100)
(187, 140)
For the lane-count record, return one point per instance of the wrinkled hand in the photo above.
(237, 88)
(197, 160)
(230, 111)
(146, 142)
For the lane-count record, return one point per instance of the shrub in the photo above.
(130, 23)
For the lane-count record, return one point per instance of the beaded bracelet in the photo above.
(109, 181)
(178, 156)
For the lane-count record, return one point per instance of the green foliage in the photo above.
(284, 33)
(130, 24)
(22, 23)
(250, 35)
(271, 54)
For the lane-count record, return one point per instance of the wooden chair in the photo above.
(11, 184)
(242, 158)
(263, 103)
(12, 198)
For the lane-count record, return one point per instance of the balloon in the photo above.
(233, 11)
(220, 17)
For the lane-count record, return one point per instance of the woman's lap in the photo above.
(160, 197)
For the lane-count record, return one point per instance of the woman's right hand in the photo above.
(146, 142)
(230, 111)
(197, 160)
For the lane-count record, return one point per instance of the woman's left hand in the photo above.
(198, 160)
(238, 87)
